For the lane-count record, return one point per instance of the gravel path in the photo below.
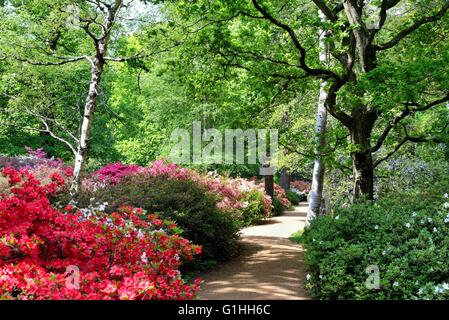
(269, 267)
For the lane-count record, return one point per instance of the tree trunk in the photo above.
(363, 175)
(98, 63)
(316, 192)
(269, 186)
(285, 179)
(83, 146)
(362, 158)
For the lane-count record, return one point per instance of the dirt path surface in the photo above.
(270, 265)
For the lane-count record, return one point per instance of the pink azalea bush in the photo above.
(303, 186)
(114, 173)
(247, 197)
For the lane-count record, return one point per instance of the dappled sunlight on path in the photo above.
(270, 266)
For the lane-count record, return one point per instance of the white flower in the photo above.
(337, 217)
(413, 214)
(429, 219)
(144, 258)
(408, 225)
(395, 284)
(435, 229)
(308, 276)
(446, 195)
(321, 276)
(376, 227)
(446, 205)
(438, 290)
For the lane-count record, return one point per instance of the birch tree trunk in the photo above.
(316, 192)
(83, 146)
(98, 63)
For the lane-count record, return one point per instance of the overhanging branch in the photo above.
(404, 33)
(320, 73)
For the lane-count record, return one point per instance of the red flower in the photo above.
(48, 254)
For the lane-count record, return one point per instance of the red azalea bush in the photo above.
(192, 205)
(124, 255)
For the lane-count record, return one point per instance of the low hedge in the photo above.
(408, 241)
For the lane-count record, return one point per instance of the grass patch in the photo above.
(296, 236)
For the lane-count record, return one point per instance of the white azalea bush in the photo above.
(408, 241)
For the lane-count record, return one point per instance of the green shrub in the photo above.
(405, 235)
(255, 210)
(278, 208)
(294, 197)
(191, 205)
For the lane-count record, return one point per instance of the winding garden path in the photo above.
(270, 266)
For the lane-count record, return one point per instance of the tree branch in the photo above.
(401, 35)
(47, 127)
(320, 73)
(405, 113)
(398, 146)
(326, 10)
(384, 7)
(414, 140)
(330, 105)
(54, 63)
(141, 55)
(389, 127)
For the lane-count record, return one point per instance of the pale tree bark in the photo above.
(98, 63)
(316, 192)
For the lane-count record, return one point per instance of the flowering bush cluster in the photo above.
(32, 159)
(235, 194)
(280, 201)
(115, 172)
(302, 186)
(298, 191)
(37, 163)
(407, 242)
(125, 255)
(210, 209)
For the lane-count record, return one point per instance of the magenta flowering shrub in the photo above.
(115, 172)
